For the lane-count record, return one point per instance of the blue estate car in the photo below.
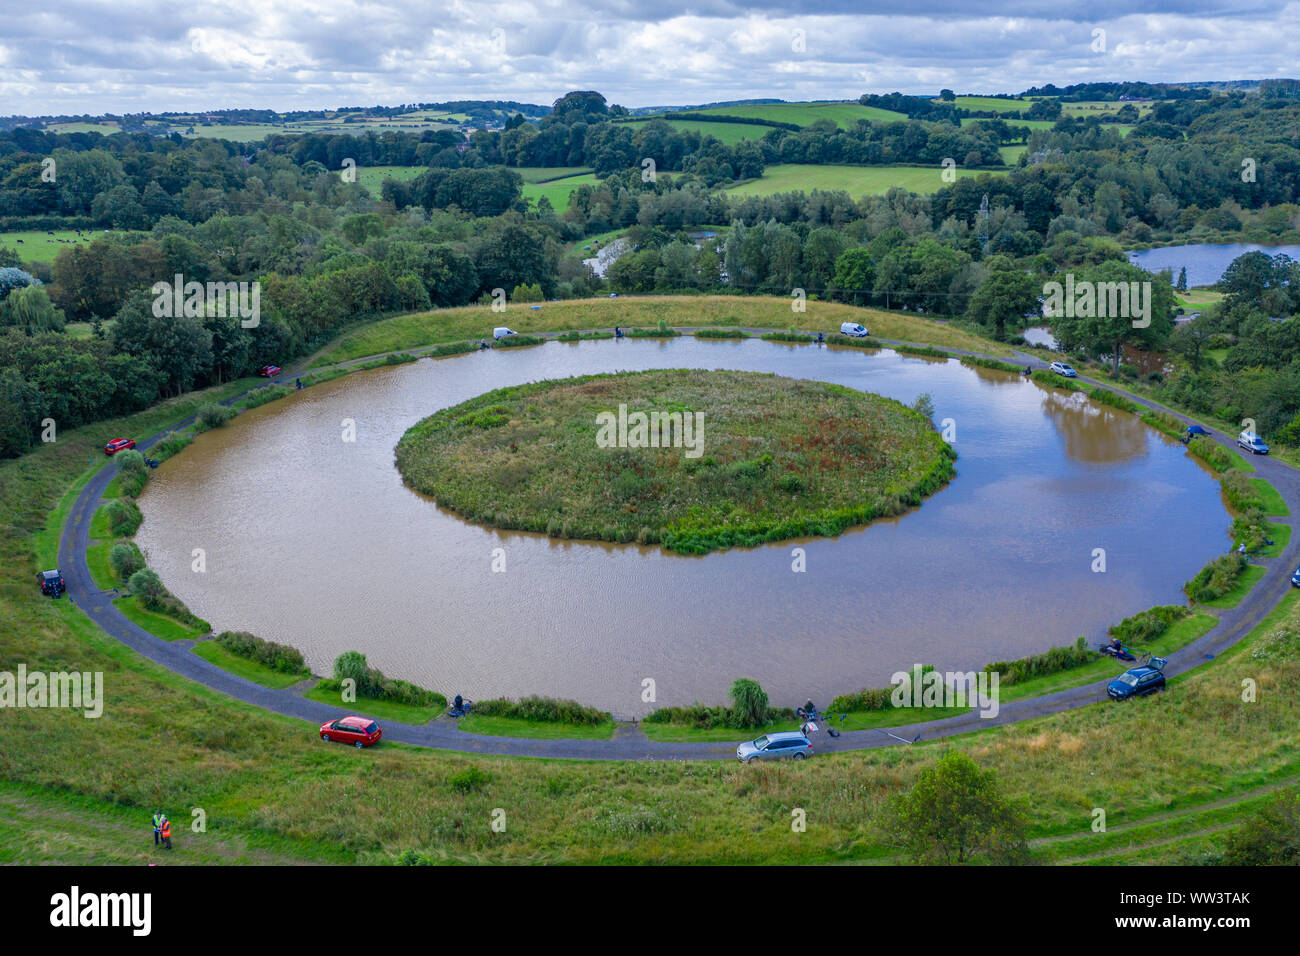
(1139, 681)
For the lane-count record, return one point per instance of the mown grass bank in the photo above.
(417, 330)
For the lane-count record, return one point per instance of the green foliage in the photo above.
(977, 362)
(263, 396)
(170, 446)
(1148, 625)
(955, 813)
(123, 517)
(1051, 661)
(1213, 454)
(749, 702)
(125, 559)
(469, 780)
(876, 698)
(1105, 396)
(545, 709)
(1271, 835)
(1241, 495)
(1216, 579)
(133, 473)
(721, 334)
(278, 657)
(801, 338)
(212, 416)
(371, 682)
(517, 341)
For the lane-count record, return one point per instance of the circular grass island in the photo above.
(694, 461)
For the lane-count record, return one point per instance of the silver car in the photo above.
(774, 747)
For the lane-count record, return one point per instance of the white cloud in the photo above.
(132, 55)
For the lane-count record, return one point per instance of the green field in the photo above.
(843, 115)
(371, 178)
(544, 174)
(991, 104)
(729, 133)
(856, 180)
(42, 246)
(557, 191)
(1025, 124)
(1011, 154)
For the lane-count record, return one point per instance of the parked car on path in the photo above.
(52, 582)
(1139, 681)
(1063, 369)
(118, 444)
(270, 371)
(358, 731)
(500, 332)
(854, 329)
(1252, 443)
(789, 744)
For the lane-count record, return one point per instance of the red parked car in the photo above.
(359, 731)
(118, 444)
(270, 371)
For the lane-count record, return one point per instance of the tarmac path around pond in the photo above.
(630, 743)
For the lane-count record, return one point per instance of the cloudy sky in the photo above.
(74, 56)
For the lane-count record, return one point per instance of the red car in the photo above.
(359, 731)
(270, 371)
(118, 444)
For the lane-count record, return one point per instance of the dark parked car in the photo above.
(1139, 681)
(358, 731)
(52, 583)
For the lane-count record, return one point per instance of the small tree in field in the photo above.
(749, 702)
(956, 814)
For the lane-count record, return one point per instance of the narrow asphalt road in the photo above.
(1234, 624)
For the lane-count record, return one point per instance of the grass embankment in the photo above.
(325, 693)
(421, 329)
(1245, 581)
(537, 729)
(80, 791)
(739, 465)
(214, 653)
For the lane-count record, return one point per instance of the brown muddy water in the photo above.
(315, 542)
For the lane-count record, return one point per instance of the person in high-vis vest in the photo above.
(157, 827)
(167, 833)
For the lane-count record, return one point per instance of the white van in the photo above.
(853, 329)
(501, 332)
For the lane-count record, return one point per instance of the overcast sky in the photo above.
(75, 56)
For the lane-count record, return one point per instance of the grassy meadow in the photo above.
(529, 458)
(858, 181)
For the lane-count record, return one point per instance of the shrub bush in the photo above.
(170, 446)
(1251, 529)
(1214, 455)
(546, 709)
(123, 517)
(212, 416)
(976, 362)
(1149, 624)
(721, 334)
(1105, 396)
(749, 703)
(517, 341)
(264, 396)
(278, 657)
(125, 559)
(371, 682)
(1050, 661)
(1216, 579)
(1239, 492)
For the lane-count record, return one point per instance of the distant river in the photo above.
(316, 542)
(1205, 262)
